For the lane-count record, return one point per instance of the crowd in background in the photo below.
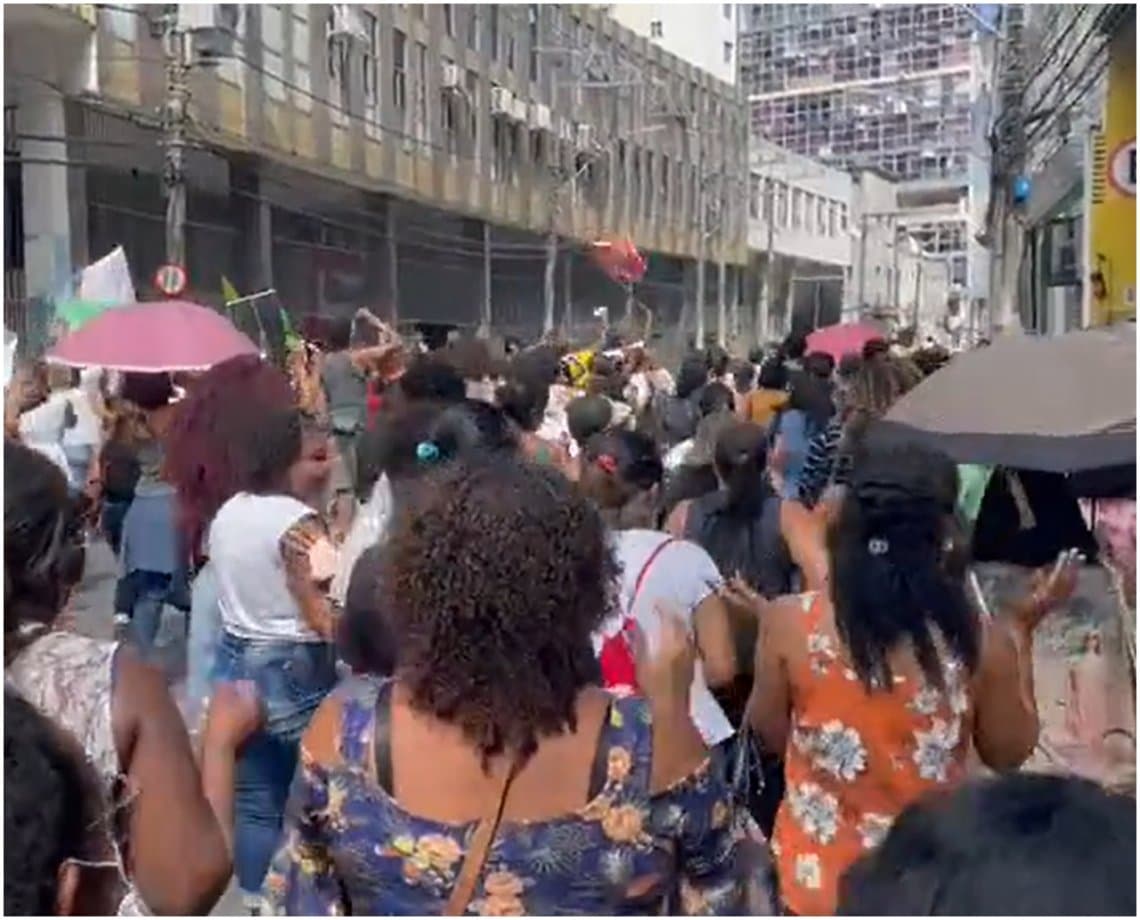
(547, 631)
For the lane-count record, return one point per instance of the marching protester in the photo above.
(877, 689)
(156, 824)
(492, 773)
(207, 470)
(537, 633)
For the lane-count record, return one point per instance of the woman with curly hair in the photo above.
(273, 561)
(492, 774)
(206, 470)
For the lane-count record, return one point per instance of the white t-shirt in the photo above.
(43, 427)
(245, 550)
(86, 430)
(680, 579)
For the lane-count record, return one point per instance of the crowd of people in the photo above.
(553, 631)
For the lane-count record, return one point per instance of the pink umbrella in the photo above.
(166, 335)
(845, 339)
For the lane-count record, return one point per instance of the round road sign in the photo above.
(1122, 168)
(170, 279)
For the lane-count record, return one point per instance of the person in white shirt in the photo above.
(82, 440)
(43, 426)
(620, 472)
(273, 562)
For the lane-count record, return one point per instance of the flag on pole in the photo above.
(229, 292)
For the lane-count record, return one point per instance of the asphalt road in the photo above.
(93, 611)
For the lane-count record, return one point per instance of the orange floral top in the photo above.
(855, 760)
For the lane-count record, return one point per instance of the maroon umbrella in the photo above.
(845, 339)
(166, 335)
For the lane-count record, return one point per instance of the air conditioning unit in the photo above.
(212, 27)
(502, 101)
(520, 110)
(538, 116)
(347, 23)
(584, 136)
(451, 76)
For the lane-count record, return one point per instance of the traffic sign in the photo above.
(170, 279)
(1122, 168)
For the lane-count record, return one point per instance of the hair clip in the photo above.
(607, 464)
(877, 546)
(427, 452)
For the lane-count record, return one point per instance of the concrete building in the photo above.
(1077, 117)
(700, 33)
(411, 157)
(886, 87)
(799, 234)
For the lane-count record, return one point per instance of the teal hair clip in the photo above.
(427, 452)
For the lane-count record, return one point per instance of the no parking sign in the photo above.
(170, 279)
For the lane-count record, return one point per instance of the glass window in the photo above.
(399, 74)
(302, 52)
(273, 51)
(727, 8)
(123, 21)
(473, 27)
(337, 50)
(422, 131)
(371, 76)
(656, 29)
(728, 52)
(448, 20)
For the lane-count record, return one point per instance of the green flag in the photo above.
(78, 313)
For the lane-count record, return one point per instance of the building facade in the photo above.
(1067, 252)
(894, 88)
(799, 233)
(696, 32)
(415, 158)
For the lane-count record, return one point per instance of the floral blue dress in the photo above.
(349, 848)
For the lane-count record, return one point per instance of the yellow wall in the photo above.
(1113, 231)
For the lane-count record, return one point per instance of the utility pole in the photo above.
(485, 312)
(918, 292)
(764, 310)
(551, 261)
(702, 223)
(174, 123)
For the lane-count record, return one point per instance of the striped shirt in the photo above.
(823, 465)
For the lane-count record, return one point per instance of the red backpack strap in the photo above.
(637, 585)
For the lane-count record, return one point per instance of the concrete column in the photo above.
(47, 206)
(253, 216)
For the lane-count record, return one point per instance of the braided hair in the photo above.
(892, 576)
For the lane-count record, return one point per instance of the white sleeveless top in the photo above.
(245, 549)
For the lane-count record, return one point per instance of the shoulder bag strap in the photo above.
(479, 849)
(641, 576)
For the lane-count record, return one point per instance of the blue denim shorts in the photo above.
(292, 678)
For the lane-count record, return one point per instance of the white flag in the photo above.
(108, 280)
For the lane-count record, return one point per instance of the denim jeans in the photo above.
(79, 462)
(149, 592)
(114, 513)
(292, 679)
(205, 634)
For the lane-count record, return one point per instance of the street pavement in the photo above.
(93, 612)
